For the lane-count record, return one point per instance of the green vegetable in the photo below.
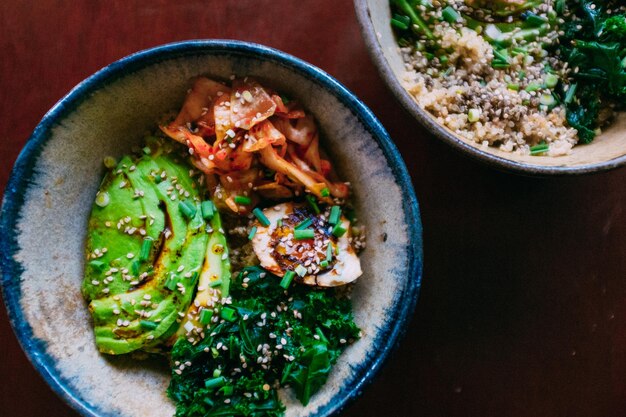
(287, 278)
(335, 215)
(339, 230)
(258, 213)
(409, 8)
(303, 234)
(252, 233)
(450, 15)
(304, 224)
(134, 228)
(539, 149)
(208, 209)
(594, 42)
(311, 347)
(242, 199)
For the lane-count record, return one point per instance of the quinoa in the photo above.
(510, 108)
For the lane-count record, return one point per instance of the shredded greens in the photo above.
(594, 42)
(276, 338)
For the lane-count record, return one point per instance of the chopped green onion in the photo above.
(194, 276)
(99, 265)
(228, 314)
(147, 150)
(450, 15)
(325, 192)
(227, 390)
(217, 372)
(300, 270)
(498, 64)
(538, 149)
(313, 203)
(571, 92)
(146, 246)
(252, 233)
(102, 199)
(400, 25)
(287, 278)
(242, 199)
(170, 282)
(335, 215)
(215, 382)
(304, 234)
(208, 209)
(148, 325)
(502, 55)
(402, 18)
(329, 252)
(547, 100)
(551, 80)
(187, 209)
(215, 283)
(324, 264)
(261, 216)
(339, 230)
(205, 316)
(304, 224)
(109, 162)
(134, 267)
(534, 20)
(513, 87)
(534, 86)
(473, 115)
(214, 352)
(208, 401)
(279, 223)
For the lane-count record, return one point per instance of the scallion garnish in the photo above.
(242, 199)
(450, 15)
(329, 252)
(324, 264)
(208, 209)
(102, 199)
(325, 192)
(339, 230)
(287, 278)
(300, 270)
(539, 149)
(304, 234)
(303, 224)
(205, 316)
(170, 282)
(261, 217)
(252, 233)
(228, 314)
(215, 382)
(146, 246)
(187, 209)
(335, 214)
(313, 203)
(148, 325)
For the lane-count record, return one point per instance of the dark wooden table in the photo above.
(523, 306)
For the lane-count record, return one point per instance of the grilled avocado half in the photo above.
(145, 250)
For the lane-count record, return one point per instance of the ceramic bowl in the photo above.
(49, 195)
(606, 152)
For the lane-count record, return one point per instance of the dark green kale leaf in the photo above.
(594, 44)
(278, 338)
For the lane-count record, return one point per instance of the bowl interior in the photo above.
(375, 16)
(53, 185)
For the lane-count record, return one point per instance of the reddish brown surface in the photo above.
(523, 307)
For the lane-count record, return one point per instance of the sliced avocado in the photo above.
(145, 247)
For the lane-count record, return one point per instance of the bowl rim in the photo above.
(18, 182)
(376, 53)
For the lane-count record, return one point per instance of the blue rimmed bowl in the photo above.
(52, 186)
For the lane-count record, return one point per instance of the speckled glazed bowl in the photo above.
(54, 181)
(606, 152)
